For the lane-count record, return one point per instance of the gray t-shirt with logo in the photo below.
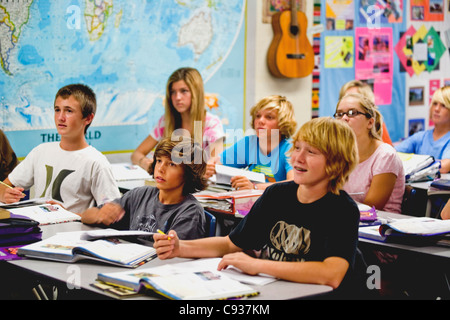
(144, 211)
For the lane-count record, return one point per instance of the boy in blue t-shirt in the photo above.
(274, 123)
(434, 142)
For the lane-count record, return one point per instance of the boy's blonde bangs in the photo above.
(286, 117)
(337, 141)
(442, 96)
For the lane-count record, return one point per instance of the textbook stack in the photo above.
(19, 224)
(419, 167)
(418, 230)
(16, 231)
(237, 203)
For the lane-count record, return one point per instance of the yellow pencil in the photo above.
(8, 186)
(159, 231)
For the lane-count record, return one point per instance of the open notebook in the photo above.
(44, 213)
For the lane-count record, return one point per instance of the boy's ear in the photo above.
(89, 118)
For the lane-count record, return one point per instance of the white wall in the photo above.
(259, 81)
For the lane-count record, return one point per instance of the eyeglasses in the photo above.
(351, 114)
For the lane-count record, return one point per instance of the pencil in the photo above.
(159, 231)
(8, 186)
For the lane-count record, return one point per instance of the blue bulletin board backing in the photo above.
(332, 79)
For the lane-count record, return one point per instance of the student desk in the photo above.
(423, 267)
(127, 185)
(62, 272)
(430, 202)
(434, 251)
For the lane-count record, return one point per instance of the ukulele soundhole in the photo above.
(295, 56)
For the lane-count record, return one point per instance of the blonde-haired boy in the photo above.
(265, 152)
(436, 141)
(305, 230)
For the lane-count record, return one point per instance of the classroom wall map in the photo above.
(125, 50)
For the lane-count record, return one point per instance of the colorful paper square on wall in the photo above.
(339, 52)
(435, 50)
(374, 61)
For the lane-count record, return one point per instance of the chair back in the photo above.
(408, 201)
(210, 224)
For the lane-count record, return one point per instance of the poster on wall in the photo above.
(375, 12)
(435, 84)
(340, 14)
(270, 7)
(427, 10)
(416, 96)
(374, 62)
(415, 125)
(338, 52)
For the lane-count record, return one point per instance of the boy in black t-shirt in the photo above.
(304, 230)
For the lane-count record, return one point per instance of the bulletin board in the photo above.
(392, 46)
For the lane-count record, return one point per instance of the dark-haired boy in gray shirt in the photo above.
(178, 172)
(144, 211)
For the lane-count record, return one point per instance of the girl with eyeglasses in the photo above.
(358, 86)
(379, 179)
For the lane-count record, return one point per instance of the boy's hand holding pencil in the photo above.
(166, 245)
(11, 194)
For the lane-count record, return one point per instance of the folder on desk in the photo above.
(46, 213)
(419, 167)
(418, 230)
(237, 202)
(224, 174)
(418, 226)
(127, 171)
(441, 184)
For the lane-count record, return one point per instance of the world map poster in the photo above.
(125, 51)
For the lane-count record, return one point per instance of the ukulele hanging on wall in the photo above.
(290, 54)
